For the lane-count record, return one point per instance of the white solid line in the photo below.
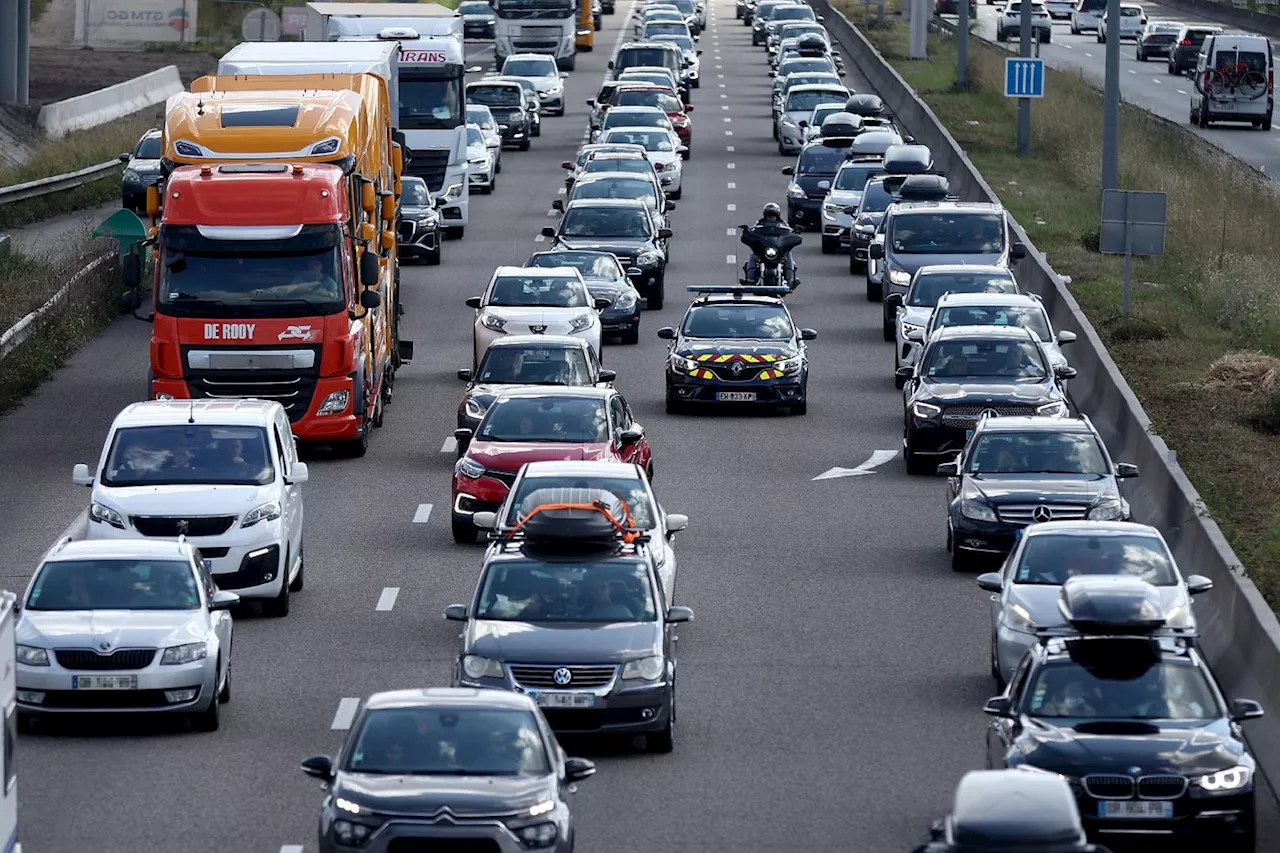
(731, 207)
(729, 148)
(730, 259)
(423, 514)
(346, 713)
(387, 600)
(450, 445)
(1068, 47)
(560, 191)
(732, 185)
(723, 95)
(721, 85)
(726, 118)
(538, 238)
(1155, 80)
(730, 166)
(291, 848)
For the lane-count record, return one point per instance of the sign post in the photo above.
(1133, 223)
(1024, 80)
(962, 46)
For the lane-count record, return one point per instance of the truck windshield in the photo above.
(430, 100)
(535, 8)
(298, 276)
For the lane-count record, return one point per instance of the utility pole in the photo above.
(918, 47)
(1024, 104)
(1111, 102)
(962, 47)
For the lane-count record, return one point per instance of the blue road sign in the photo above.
(1023, 78)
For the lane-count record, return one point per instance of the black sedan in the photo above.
(623, 228)
(142, 170)
(484, 759)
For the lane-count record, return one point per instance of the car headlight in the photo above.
(32, 656)
(1052, 410)
(650, 668)
(1110, 509)
(832, 209)
(909, 328)
(790, 365)
(538, 836)
(626, 301)
(479, 161)
(795, 191)
(106, 515)
(468, 467)
(899, 277)
(680, 364)
(131, 177)
(926, 410)
(478, 666)
(350, 833)
(268, 511)
(186, 653)
(426, 222)
(581, 323)
(476, 408)
(976, 510)
(1231, 779)
(1017, 618)
(453, 193)
(1179, 616)
(649, 257)
(493, 322)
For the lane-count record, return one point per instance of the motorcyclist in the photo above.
(771, 222)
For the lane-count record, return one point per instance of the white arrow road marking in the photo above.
(877, 459)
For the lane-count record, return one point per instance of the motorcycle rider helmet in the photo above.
(771, 212)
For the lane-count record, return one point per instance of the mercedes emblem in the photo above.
(1042, 513)
(989, 413)
(562, 676)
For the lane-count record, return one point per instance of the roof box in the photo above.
(1112, 604)
(1015, 810)
(865, 105)
(585, 518)
(841, 124)
(874, 142)
(811, 44)
(924, 188)
(908, 160)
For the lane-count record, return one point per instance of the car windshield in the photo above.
(475, 136)
(572, 420)
(821, 113)
(518, 365)
(540, 67)
(449, 741)
(149, 148)
(794, 31)
(648, 77)
(632, 56)
(801, 66)
(1037, 452)
(650, 140)
(657, 28)
(876, 198)
(414, 193)
(1165, 690)
(750, 322)
(636, 118)
(538, 290)
(855, 177)
(793, 13)
(629, 490)
(184, 454)
(1165, 29)
(494, 96)
(618, 164)
(589, 264)
(475, 8)
(601, 222)
(682, 41)
(806, 101)
(1028, 317)
(1127, 11)
(115, 584)
(633, 188)
(649, 98)
(479, 114)
(1053, 558)
(820, 160)
(608, 591)
(947, 233)
(976, 358)
(928, 289)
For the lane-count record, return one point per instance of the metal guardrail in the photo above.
(18, 333)
(58, 183)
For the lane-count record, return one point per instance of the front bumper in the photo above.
(483, 494)
(480, 176)
(452, 833)
(934, 437)
(804, 211)
(769, 392)
(478, 31)
(551, 102)
(790, 137)
(614, 322)
(48, 689)
(837, 225)
(649, 280)
(1156, 49)
(973, 536)
(415, 239)
(1197, 817)
(620, 707)
(858, 243)
(513, 133)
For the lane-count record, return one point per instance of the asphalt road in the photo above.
(831, 688)
(1148, 84)
(53, 237)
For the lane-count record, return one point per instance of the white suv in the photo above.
(223, 473)
(1009, 24)
(541, 301)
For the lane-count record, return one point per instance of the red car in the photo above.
(539, 425)
(663, 100)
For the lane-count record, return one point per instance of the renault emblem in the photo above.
(736, 370)
(1042, 513)
(538, 330)
(562, 676)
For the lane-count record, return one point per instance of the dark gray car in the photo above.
(142, 170)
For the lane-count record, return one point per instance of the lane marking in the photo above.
(450, 445)
(1068, 47)
(723, 95)
(291, 848)
(721, 85)
(724, 107)
(387, 600)
(346, 714)
(731, 207)
(730, 166)
(553, 212)
(730, 259)
(1182, 91)
(539, 238)
(732, 185)
(730, 232)
(878, 458)
(560, 191)
(423, 514)
(719, 76)
(729, 148)
(1088, 54)
(1131, 71)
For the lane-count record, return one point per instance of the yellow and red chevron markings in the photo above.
(733, 356)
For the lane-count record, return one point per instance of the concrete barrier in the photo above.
(113, 102)
(1240, 634)
(1232, 17)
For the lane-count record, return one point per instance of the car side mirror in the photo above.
(485, 520)
(1065, 372)
(1066, 338)
(1125, 470)
(990, 581)
(607, 376)
(916, 336)
(558, 204)
(130, 300)
(320, 767)
(821, 18)
(298, 474)
(591, 102)
(667, 333)
(808, 334)
(670, 205)
(463, 437)
(1197, 584)
(678, 614)
(1018, 251)
(688, 108)
(630, 436)
(999, 706)
(124, 158)
(876, 251)
(369, 268)
(370, 299)
(80, 475)
(610, 65)
(223, 600)
(665, 233)
(456, 613)
(773, 73)
(894, 300)
(676, 522)
(1245, 709)
(473, 302)
(949, 469)
(566, 165)
(602, 302)
(788, 170)
(904, 372)
(577, 769)
(464, 373)
(548, 231)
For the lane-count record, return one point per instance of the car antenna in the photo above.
(191, 413)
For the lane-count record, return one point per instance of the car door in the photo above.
(1002, 731)
(286, 451)
(219, 621)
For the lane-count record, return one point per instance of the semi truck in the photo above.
(8, 700)
(536, 26)
(586, 33)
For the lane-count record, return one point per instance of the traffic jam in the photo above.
(277, 342)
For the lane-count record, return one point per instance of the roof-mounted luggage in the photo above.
(865, 105)
(574, 519)
(908, 160)
(840, 125)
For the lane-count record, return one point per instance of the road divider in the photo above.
(94, 108)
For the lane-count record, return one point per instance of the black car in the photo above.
(479, 769)
(911, 172)
(737, 344)
(811, 178)
(1157, 39)
(418, 221)
(623, 228)
(1016, 471)
(1186, 49)
(1134, 721)
(966, 372)
(605, 278)
(478, 19)
(142, 170)
(511, 109)
(570, 612)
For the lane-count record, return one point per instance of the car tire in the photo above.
(995, 667)
(649, 471)
(300, 579)
(1140, 56)
(830, 245)
(960, 561)
(278, 607)
(1205, 121)
(357, 447)
(537, 130)
(559, 112)
(524, 144)
(207, 720)
(1101, 38)
(888, 330)
(898, 381)
(678, 194)
(631, 336)
(464, 530)
(1194, 119)
(663, 741)
(224, 695)
(1075, 31)
(1266, 122)
(800, 409)
(875, 292)
(916, 466)
(655, 299)
(433, 257)
(675, 406)
(855, 266)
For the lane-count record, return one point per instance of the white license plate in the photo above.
(565, 700)
(104, 682)
(736, 396)
(1135, 809)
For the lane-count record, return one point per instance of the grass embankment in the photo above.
(1203, 352)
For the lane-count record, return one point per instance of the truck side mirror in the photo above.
(370, 299)
(369, 268)
(368, 197)
(388, 206)
(388, 239)
(397, 160)
(1018, 251)
(153, 201)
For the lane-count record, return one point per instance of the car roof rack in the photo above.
(738, 290)
(573, 519)
(1110, 607)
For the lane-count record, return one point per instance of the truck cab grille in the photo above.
(291, 388)
(430, 164)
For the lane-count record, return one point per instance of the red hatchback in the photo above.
(663, 100)
(539, 425)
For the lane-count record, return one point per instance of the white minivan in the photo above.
(223, 473)
(1234, 81)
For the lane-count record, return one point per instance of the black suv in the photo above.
(624, 228)
(966, 372)
(1016, 471)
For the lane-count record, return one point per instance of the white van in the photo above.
(1234, 81)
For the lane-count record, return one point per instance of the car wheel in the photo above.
(1195, 119)
(524, 143)
(995, 667)
(875, 292)
(208, 719)
(648, 471)
(800, 409)
(357, 447)
(1101, 38)
(916, 465)
(631, 336)
(678, 194)
(1140, 56)
(455, 233)
(675, 406)
(898, 381)
(1204, 113)
(960, 561)
(537, 130)
(664, 741)
(300, 578)
(1266, 122)
(464, 531)
(26, 723)
(433, 257)
(224, 695)
(278, 607)
(888, 331)
(855, 266)
(830, 245)
(1075, 31)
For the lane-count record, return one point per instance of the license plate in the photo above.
(104, 682)
(736, 396)
(1135, 809)
(565, 700)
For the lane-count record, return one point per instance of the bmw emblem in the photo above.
(562, 676)
(1135, 770)
(1042, 513)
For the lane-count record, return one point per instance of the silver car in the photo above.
(843, 199)
(928, 287)
(482, 117)
(1028, 587)
(124, 626)
(546, 77)
(994, 309)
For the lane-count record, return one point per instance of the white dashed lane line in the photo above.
(730, 259)
(732, 185)
(730, 232)
(730, 165)
(387, 600)
(729, 148)
(1182, 91)
(423, 514)
(450, 445)
(291, 848)
(731, 207)
(538, 238)
(346, 713)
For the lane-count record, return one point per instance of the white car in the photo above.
(999, 309)
(123, 627)
(1132, 19)
(482, 117)
(812, 126)
(482, 167)
(1009, 23)
(633, 117)
(223, 473)
(535, 301)
(663, 148)
(542, 71)
(843, 200)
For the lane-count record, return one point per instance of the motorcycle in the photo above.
(771, 247)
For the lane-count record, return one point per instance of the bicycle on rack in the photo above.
(1237, 80)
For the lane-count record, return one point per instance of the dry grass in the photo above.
(1204, 347)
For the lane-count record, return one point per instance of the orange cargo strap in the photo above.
(629, 533)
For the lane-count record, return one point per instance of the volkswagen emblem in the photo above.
(562, 676)
(736, 369)
(538, 330)
(184, 526)
(1042, 513)
(989, 413)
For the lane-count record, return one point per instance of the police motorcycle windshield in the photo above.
(761, 239)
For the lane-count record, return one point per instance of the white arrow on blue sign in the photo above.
(1023, 78)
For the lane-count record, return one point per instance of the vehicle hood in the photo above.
(696, 349)
(796, 116)
(543, 84)
(534, 314)
(1041, 601)
(624, 247)
(89, 629)
(471, 796)
(510, 455)
(144, 167)
(849, 198)
(912, 262)
(986, 392)
(474, 17)
(1042, 488)
(186, 500)
(916, 315)
(502, 114)
(562, 642)
(607, 288)
(480, 150)
(416, 212)
(815, 183)
(1191, 749)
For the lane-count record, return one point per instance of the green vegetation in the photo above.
(1203, 352)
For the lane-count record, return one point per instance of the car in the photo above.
(737, 344)
(763, 14)
(654, 28)
(469, 754)
(614, 164)
(482, 167)
(223, 473)
(811, 127)
(547, 78)
(587, 631)
(1234, 74)
(575, 166)
(480, 115)
(605, 278)
(929, 285)
(789, 14)
(1157, 39)
(533, 425)
(123, 626)
(1186, 47)
(843, 198)
(418, 222)
(1060, 10)
(624, 228)
(478, 19)
(656, 15)
(952, 7)
(599, 181)
(811, 176)
(793, 30)
(965, 372)
(657, 75)
(692, 65)
(647, 55)
(796, 104)
(648, 117)
(1009, 22)
(662, 99)
(1088, 15)
(522, 301)
(827, 79)
(1135, 719)
(519, 360)
(532, 98)
(995, 308)
(1133, 18)
(803, 65)
(601, 103)
(663, 148)
(1027, 589)
(141, 170)
(510, 107)
(881, 191)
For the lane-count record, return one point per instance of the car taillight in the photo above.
(1185, 42)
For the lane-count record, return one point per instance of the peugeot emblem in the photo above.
(737, 368)
(1042, 513)
(989, 413)
(562, 676)
(537, 330)
(184, 526)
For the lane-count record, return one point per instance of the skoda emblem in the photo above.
(104, 645)
(989, 413)
(184, 526)
(537, 330)
(562, 676)
(737, 368)
(1042, 513)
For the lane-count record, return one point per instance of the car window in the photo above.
(1053, 558)
(189, 454)
(590, 264)
(415, 192)
(1028, 317)
(1241, 59)
(628, 118)
(621, 419)
(494, 96)
(637, 165)
(756, 322)
(947, 233)
(819, 160)
(510, 365)
(535, 290)
(855, 177)
(629, 490)
(609, 591)
(530, 67)
(797, 101)
(1131, 11)
(149, 148)
(650, 140)
(624, 188)
(957, 359)
(449, 741)
(536, 419)
(928, 289)
(1165, 690)
(601, 222)
(1037, 452)
(114, 584)
(475, 136)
